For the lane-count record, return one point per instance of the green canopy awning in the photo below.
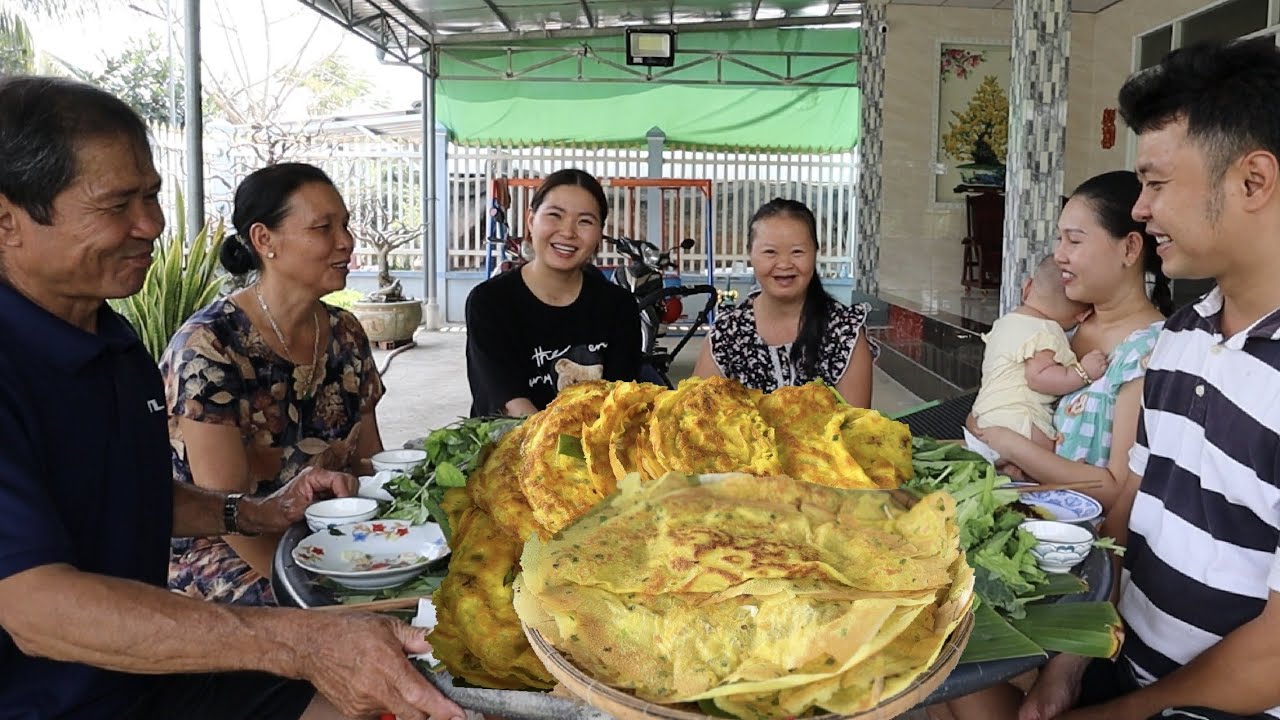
(763, 112)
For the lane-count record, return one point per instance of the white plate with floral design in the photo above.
(371, 554)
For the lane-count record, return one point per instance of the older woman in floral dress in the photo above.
(269, 381)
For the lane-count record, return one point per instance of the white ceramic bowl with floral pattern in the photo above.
(1060, 546)
(398, 460)
(371, 555)
(339, 511)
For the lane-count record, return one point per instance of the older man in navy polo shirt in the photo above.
(87, 500)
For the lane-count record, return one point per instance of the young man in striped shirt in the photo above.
(1200, 592)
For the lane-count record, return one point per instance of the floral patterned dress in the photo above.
(1084, 417)
(219, 369)
(741, 354)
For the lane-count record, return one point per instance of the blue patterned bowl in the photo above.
(1066, 506)
(1061, 546)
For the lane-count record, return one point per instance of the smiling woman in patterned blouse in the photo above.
(790, 331)
(269, 382)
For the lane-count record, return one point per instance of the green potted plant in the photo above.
(388, 317)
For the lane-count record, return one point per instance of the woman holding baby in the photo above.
(1103, 256)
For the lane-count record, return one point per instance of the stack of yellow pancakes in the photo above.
(768, 596)
(527, 485)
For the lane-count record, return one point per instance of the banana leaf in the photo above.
(1091, 629)
(1061, 584)
(993, 638)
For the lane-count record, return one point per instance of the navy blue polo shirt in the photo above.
(85, 480)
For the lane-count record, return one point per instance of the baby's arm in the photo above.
(1044, 375)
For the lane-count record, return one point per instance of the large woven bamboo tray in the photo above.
(625, 706)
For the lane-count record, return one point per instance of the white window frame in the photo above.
(1273, 29)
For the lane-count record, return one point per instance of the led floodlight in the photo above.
(651, 47)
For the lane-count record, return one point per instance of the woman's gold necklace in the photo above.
(315, 350)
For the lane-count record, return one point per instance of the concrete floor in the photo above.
(427, 385)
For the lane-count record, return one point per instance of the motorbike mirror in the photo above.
(687, 244)
(651, 256)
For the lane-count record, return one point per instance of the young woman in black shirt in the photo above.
(553, 322)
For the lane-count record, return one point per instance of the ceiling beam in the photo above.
(381, 36)
(586, 10)
(755, 9)
(757, 75)
(490, 38)
(502, 18)
(414, 16)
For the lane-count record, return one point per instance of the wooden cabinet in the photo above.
(984, 241)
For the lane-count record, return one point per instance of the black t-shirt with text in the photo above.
(519, 346)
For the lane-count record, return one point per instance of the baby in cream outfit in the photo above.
(1028, 362)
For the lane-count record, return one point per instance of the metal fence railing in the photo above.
(381, 180)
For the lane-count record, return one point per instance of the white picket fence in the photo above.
(390, 173)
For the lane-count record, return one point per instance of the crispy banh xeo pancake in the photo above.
(672, 539)
(494, 487)
(477, 635)
(626, 402)
(454, 503)
(807, 421)
(882, 675)
(881, 446)
(558, 487)
(786, 636)
(624, 447)
(711, 426)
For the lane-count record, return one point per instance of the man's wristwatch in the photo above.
(231, 515)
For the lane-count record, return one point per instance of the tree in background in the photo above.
(255, 74)
(334, 86)
(17, 50)
(17, 45)
(140, 75)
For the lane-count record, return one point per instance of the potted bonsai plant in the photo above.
(388, 317)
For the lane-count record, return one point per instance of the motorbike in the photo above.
(514, 250)
(653, 278)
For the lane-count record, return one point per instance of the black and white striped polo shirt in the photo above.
(1202, 555)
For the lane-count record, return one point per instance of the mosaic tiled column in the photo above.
(1037, 138)
(871, 103)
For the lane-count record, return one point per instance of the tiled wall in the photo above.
(1037, 138)
(919, 240)
(870, 145)
(1112, 43)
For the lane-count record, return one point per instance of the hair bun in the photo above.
(237, 255)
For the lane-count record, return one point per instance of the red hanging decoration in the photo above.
(1108, 128)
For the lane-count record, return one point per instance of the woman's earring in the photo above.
(272, 256)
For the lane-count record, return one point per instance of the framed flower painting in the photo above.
(971, 134)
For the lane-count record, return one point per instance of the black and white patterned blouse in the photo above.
(740, 353)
